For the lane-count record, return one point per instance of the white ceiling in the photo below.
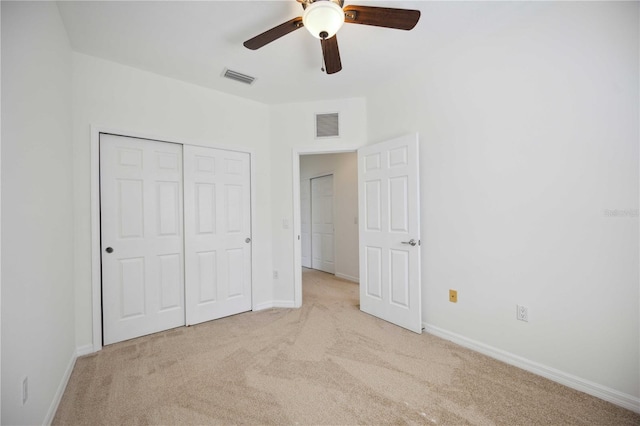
(195, 41)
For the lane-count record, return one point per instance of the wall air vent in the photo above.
(238, 76)
(327, 125)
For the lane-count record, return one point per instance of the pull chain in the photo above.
(323, 35)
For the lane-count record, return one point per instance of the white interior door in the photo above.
(305, 222)
(322, 241)
(217, 198)
(141, 237)
(389, 203)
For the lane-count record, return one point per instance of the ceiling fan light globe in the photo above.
(323, 17)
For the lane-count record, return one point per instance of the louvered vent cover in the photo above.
(237, 76)
(327, 125)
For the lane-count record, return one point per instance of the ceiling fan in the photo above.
(323, 19)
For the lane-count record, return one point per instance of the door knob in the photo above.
(411, 242)
(247, 240)
(109, 250)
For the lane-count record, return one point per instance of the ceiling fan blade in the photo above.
(331, 55)
(273, 34)
(401, 19)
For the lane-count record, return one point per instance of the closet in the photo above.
(175, 235)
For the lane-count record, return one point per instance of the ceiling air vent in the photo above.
(327, 125)
(238, 76)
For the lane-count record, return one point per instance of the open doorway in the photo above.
(329, 214)
(316, 162)
(389, 239)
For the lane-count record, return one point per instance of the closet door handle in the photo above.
(247, 240)
(109, 250)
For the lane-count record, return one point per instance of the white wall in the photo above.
(529, 136)
(37, 213)
(120, 97)
(344, 168)
(529, 140)
(0, 226)
(293, 125)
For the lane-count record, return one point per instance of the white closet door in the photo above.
(322, 244)
(217, 233)
(305, 222)
(142, 237)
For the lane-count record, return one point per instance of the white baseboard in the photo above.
(84, 350)
(624, 400)
(263, 306)
(53, 408)
(348, 277)
(274, 304)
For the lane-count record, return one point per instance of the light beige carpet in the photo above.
(326, 363)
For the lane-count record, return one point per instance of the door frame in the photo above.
(296, 152)
(96, 262)
(308, 183)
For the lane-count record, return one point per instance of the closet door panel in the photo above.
(141, 236)
(217, 233)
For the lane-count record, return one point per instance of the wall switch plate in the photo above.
(453, 296)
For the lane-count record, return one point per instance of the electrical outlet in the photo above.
(453, 296)
(275, 275)
(522, 313)
(25, 390)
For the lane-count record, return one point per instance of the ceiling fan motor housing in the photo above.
(323, 18)
(306, 3)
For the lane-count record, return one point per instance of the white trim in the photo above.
(297, 233)
(53, 408)
(263, 306)
(274, 304)
(283, 304)
(348, 277)
(252, 190)
(624, 400)
(319, 175)
(96, 267)
(296, 152)
(95, 215)
(84, 350)
(307, 183)
(0, 232)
